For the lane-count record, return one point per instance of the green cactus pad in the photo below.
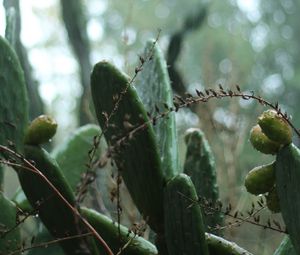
(261, 142)
(44, 236)
(132, 244)
(72, 154)
(285, 247)
(154, 89)
(184, 228)
(56, 216)
(275, 127)
(220, 246)
(288, 190)
(200, 166)
(260, 179)
(138, 160)
(40, 130)
(8, 220)
(1, 178)
(21, 201)
(13, 98)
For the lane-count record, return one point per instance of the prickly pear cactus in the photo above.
(138, 158)
(200, 166)
(285, 247)
(220, 246)
(118, 238)
(9, 241)
(56, 216)
(13, 98)
(184, 227)
(72, 155)
(154, 89)
(288, 190)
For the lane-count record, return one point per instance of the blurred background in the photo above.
(253, 43)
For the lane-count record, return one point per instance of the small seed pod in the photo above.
(260, 179)
(275, 127)
(261, 142)
(273, 201)
(41, 130)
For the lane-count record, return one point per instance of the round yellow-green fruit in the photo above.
(260, 179)
(261, 142)
(41, 130)
(275, 127)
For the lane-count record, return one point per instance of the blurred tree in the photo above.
(74, 17)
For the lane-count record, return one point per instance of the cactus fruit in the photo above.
(125, 239)
(261, 142)
(275, 127)
(41, 130)
(200, 166)
(273, 201)
(54, 213)
(154, 89)
(260, 179)
(138, 159)
(287, 172)
(9, 241)
(184, 227)
(13, 98)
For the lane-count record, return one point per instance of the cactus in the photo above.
(287, 174)
(285, 248)
(200, 166)
(118, 237)
(72, 154)
(145, 151)
(11, 240)
(54, 213)
(220, 246)
(154, 89)
(181, 213)
(13, 98)
(140, 170)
